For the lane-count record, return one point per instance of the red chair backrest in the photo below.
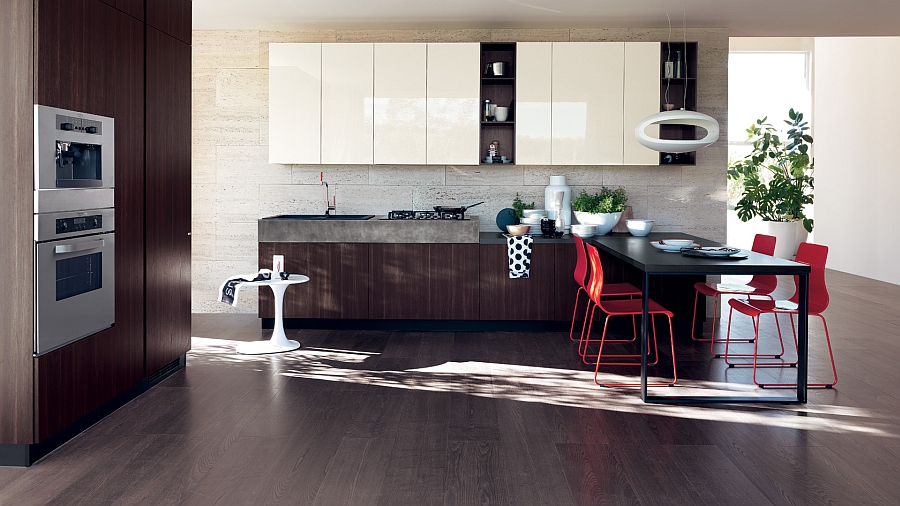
(580, 262)
(813, 255)
(595, 284)
(764, 244)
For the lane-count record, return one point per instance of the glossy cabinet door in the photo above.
(533, 99)
(453, 95)
(347, 103)
(587, 81)
(295, 100)
(400, 103)
(641, 99)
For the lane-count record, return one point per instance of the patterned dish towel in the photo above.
(228, 292)
(519, 252)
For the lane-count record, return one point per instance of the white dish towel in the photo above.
(228, 292)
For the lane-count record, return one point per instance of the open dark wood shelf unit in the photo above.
(502, 92)
(682, 92)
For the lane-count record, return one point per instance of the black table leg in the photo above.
(803, 337)
(645, 332)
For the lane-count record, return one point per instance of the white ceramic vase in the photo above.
(788, 236)
(604, 221)
(558, 183)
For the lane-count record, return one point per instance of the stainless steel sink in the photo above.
(336, 217)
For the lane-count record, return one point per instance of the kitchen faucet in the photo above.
(329, 203)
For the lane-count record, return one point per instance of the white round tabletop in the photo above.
(292, 280)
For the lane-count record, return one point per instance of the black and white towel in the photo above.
(519, 252)
(228, 292)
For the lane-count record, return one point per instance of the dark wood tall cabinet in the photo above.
(168, 199)
(99, 57)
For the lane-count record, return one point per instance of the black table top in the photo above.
(638, 251)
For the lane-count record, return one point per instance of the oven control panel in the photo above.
(78, 224)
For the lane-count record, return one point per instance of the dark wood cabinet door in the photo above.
(338, 284)
(424, 281)
(168, 199)
(134, 8)
(564, 284)
(529, 298)
(172, 17)
(72, 381)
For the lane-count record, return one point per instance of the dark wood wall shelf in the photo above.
(681, 91)
(502, 92)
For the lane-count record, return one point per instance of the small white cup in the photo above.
(502, 113)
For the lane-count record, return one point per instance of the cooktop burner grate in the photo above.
(426, 215)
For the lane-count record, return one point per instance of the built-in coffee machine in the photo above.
(74, 226)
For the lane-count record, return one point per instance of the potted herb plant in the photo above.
(603, 209)
(777, 179)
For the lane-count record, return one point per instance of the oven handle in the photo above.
(68, 248)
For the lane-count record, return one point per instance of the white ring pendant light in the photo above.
(690, 118)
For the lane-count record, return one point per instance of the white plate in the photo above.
(668, 247)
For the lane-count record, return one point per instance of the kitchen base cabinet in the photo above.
(503, 298)
(338, 284)
(423, 281)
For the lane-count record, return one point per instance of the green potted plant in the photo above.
(777, 179)
(519, 206)
(603, 209)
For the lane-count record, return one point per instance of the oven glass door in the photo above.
(74, 289)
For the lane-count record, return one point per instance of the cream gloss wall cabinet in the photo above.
(453, 91)
(578, 102)
(641, 99)
(588, 91)
(347, 103)
(295, 94)
(400, 103)
(533, 103)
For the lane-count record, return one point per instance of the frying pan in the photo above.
(455, 209)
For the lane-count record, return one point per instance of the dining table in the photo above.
(651, 261)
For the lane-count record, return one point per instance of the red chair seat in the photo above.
(619, 290)
(631, 307)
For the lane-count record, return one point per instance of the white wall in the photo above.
(857, 108)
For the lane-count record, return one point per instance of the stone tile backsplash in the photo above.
(233, 184)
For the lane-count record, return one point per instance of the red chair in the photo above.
(621, 307)
(609, 289)
(814, 255)
(759, 285)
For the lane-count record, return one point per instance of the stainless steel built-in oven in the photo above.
(74, 276)
(73, 150)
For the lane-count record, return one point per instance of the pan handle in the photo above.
(470, 207)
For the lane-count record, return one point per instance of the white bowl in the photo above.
(530, 221)
(584, 231)
(604, 221)
(639, 228)
(535, 213)
(678, 243)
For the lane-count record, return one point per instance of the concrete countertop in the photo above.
(499, 238)
(374, 230)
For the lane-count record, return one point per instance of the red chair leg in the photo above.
(712, 340)
(674, 369)
(575, 312)
(603, 340)
(811, 385)
(754, 355)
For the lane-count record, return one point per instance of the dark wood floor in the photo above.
(380, 418)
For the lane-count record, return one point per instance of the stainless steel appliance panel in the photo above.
(73, 149)
(74, 289)
(53, 201)
(54, 226)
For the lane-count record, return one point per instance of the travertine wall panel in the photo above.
(234, 185)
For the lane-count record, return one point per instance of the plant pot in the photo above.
(788, 236)
(604, 221)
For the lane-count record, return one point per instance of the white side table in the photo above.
(279, 342)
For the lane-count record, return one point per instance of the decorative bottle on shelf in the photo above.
(679, 65)
(558, 183)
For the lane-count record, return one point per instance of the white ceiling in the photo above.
(770, 18)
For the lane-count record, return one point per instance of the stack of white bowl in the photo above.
(584, 231)
(533, 218)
